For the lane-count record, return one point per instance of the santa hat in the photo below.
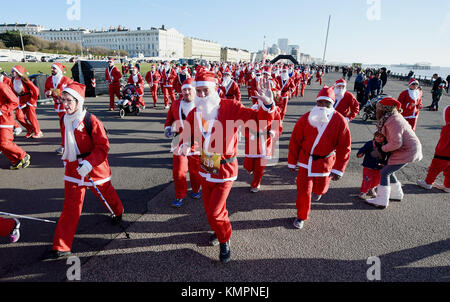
(268, 70)
(205, 78)
(188, 83)
(76, 90)
(390, 102)
(447, 115)
(327, 93)
(19, 69)
(61, 68)
(227, 71)
(340, 82)
(413, 81)
(285, 68)
(111, 60)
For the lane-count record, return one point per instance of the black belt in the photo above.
(228, 160)
(317, 157)
(442, 157)
(84, 155)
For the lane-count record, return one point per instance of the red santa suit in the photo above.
(113, 76)
(259, 146)
(181, 77)
(168, 77)
(176, 116)
(318, 153)
(54, 85)
(296, 77)
(217, 140)
(153, 79)
(411, 101)
(5, 80)
(441, 160)
(82, 152)
(285, 89)
(249, 76)
(253, 84)
(137, 81)
(319, 76)
(28, 95)
(230, 91)
(8, 102)
(347, 105)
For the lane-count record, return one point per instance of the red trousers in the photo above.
(114, 90)
(319, 80)
(371, 179)
(282, 103)
(215, 201)
(257, 166)
(7, 146)
(154, 91)
(168, 92)
(296, 90)
(6, 226)
(412, 122)
(73, 204)
(302, 91)
(181, 165)
(437, 166)
(30, 123)
(141, 101)
(305, 186)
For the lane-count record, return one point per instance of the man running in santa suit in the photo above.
(229, 88)
(411, 100)
(320, 146)
(286, 86)
(85, 155)
(54, 86)
(176, 116)
(168, 77)
(153, 77)
(136, 79)
(319, 76)
(15, 154)
(28, 95)
(182, 75)
(303, 81)
(346, 103)
(113, 76)
(213, 131)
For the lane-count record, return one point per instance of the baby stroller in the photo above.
(129, 102)
(370, 108)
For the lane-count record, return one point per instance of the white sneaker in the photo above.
(255, 190)
(60, 150)
(424, 185)
(17, 131)
(166, 107)
(441, 187)
(363, 196)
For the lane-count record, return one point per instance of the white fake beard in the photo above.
(208, 107)
(339, 93)
(319, 116)
(284, 76)
(226, 81)
(414, 94)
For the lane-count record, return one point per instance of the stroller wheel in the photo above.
(365, 117)
(122, 113)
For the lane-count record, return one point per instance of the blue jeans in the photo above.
(388, 173)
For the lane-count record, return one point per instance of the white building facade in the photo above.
(201, 49)
(27, 29)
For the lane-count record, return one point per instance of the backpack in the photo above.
(87, 123)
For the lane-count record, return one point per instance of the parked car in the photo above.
(29, 58)
(58, 59)
(4, 58)
(46, 58)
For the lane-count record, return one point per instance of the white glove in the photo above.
(168, 132)
(85, 168)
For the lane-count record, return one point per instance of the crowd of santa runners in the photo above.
(210, 107)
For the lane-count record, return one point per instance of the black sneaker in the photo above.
(213, 240)
(53, 254)
(225, 252)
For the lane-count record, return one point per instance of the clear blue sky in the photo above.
(408, 31)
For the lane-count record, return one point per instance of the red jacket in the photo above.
(443, 146)
(410, 107)
(168, 77)
(8, 102)
(225, 142)
(50, 88)
(153, 79)
(113, 77)
(29, 94)
(95, 147)
(285, 87)
(6, 80)
(348, 106)
(138, 82)
(333, 141)
(232, 91)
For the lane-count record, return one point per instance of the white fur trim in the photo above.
(18, 72)
(205, 83)
(187, 86)
(337, 172)
(290, 166)
(325, 98)
(73, 93)
(208, 178)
